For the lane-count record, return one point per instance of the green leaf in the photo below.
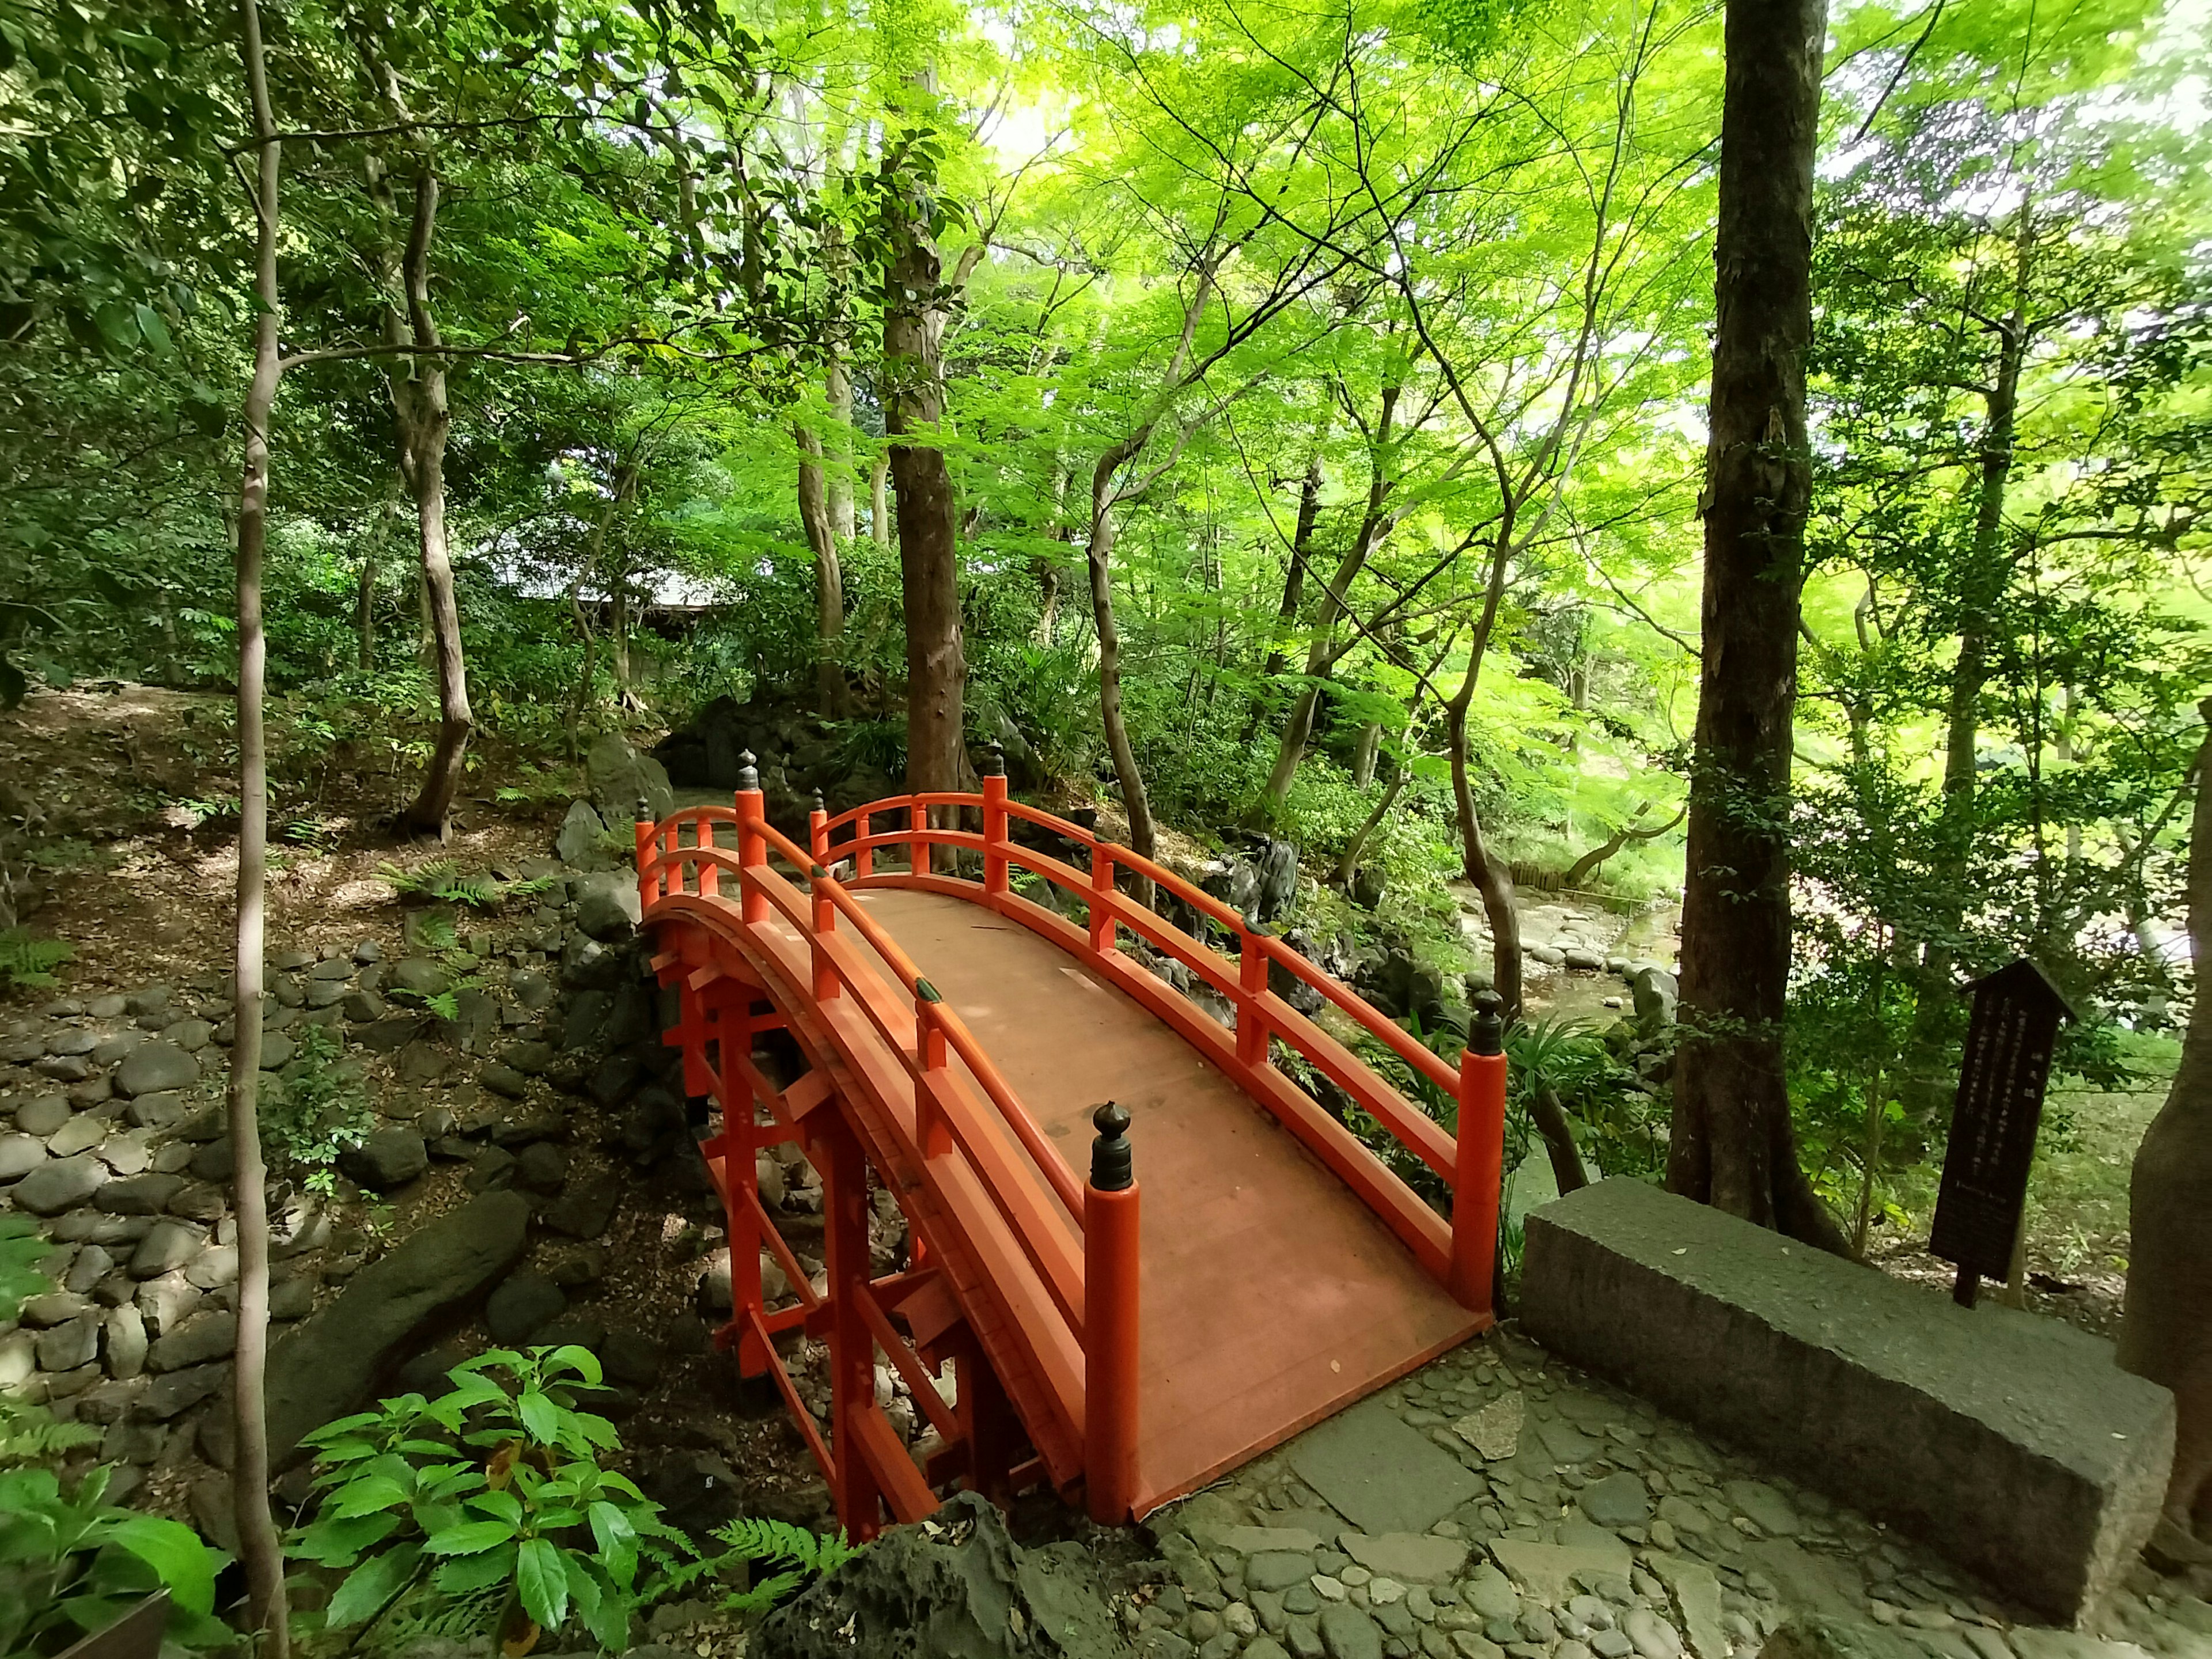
(470, 1538)
(336, 1543)
(504, 1504)
(540, 1416)
(372, 1583)
(542, 1581)
(368, 1495)
(466, 1574)
(179, 1558)
(611, 1530)
(155, 331)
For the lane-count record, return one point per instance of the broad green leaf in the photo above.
(372, 1583)
(542, 1581)
(467, 1573)
(539, 1415)
(183, 1563)
(368, 1495)
(470, 1538)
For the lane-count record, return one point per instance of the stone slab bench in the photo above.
(2012, 1443)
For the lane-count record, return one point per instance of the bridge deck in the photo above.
(1272, 1296)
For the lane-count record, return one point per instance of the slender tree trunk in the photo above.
(816, 516)
(1491, 877)
(256, 1529)
(929, 568)
(581, 698)
(364, 618)
(1143, 836)
(1370, 744)
(838, 382)
(1347, 861)
(618, 629)
(1374, 525)
(2165, 1328)
(879, 505)
(1732, 1146)
(1294, 592)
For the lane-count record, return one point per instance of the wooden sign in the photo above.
(2002, 1078)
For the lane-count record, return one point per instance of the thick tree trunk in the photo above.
(2165, 1329)
(817, 517)
(929, 570)
(1732, 1146)
(257, 1530)
(1362, 763)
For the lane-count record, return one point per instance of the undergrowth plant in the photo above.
(491, 1508)
(443, 880)
(315, 1115)
(29, 962)
(28, 1432)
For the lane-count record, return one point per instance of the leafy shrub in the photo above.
(489, 1505)
(29, 962)
(70, 1564)
(317, 1113)
(27, 1431)
(443, 880)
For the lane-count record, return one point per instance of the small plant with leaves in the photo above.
(29, 962)
(315, 1115)
(444, 880)
(491, 1497)
(28, 1432)
(798, 1556)
(71, 1563)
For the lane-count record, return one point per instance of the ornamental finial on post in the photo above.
(1487, 1034)
(995, 759)
(1112, 1163)
(748, 777)
(820, 805)
(644, 811)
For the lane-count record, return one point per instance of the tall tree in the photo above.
(256, 1528)
(1732, 1144)
(2166, 1331)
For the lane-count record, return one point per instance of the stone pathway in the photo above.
(1499, 1505)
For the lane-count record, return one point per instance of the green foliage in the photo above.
(71, 1563)
(28, 1433)
(493, 1497)
(799, 1556)
(316, 1113)
(444, 879)
(29, 962)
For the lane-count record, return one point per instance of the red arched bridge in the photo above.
(959, 1041)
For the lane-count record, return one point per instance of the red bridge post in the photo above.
(752, 850)
(1110, 1261)
(1479, 1162)
(994, 818)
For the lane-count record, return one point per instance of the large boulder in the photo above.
(955, 1586)
(608, 908)
(580, 844)
(620, 777)
(333, 1363)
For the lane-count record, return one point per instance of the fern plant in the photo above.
(799, 1556)
(29, 962)
(443, 880)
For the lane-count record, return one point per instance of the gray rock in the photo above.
(139, 1194)
(423, 975)
(1764, 1507)
(1277, 1569)
(123, 1338)
(579, 843)
(153, 1066)
(329, 1364)
(1653, 1636)
(180, 1391)
(19, 1155)
(167, 1247)
(79, 1135)
(212, 1267)
(204, 1337)
(1347, 1633)
(61, 1184)
(157, 1110)
(519, 1308)
(361, 1007)
(53, 1308)
(42, 1116)
(65, 1347)
(620, 777)
(189, 1035)
(607, 907)
(1810, 1635)
(1654, 991)
(542, 1167)
(276, 1050)
(503, 1079)
(632, 1359)
(92, 1265)
(166, 1302)
(388, 1159)
(116, 1048)
(81, 1040)
(584, 1213)
(1618, 1500)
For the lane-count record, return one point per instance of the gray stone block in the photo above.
(2012, 1443)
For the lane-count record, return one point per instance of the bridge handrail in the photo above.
(1057, 1272)
(1467, 1161)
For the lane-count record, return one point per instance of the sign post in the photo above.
(2002, 1078)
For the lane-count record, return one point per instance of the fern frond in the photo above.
(30, 962)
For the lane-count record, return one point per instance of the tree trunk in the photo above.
(1142, 836)
(2165, 1328)
(1370, 745)
(257, 1530)
(1732, 1146)
(364, 618)
(1294, 591)
(423, 416)
(1375, 524)
(879, 505)
(816, 515)
(1347, 861)
(1491, 876)
(929, 570)
(837, 385)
